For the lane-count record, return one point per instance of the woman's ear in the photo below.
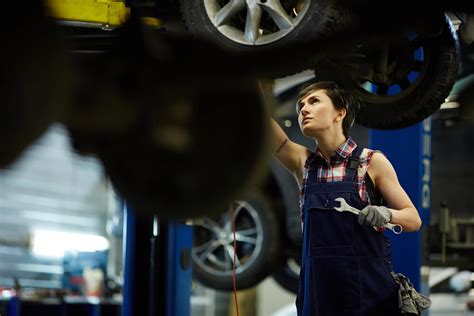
(341, 114)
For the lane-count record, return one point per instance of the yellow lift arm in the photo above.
(106, 14)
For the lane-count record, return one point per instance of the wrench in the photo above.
(396, 228)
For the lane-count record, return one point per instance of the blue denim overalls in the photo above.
(345, 268)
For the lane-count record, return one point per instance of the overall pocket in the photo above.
(336, 285)
(328, 227)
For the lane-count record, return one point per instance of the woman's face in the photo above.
(317, 113)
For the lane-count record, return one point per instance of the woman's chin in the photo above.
(307, 132)
(310, 132)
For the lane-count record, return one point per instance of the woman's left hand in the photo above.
(375, 215)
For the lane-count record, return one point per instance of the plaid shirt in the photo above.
(335, 168)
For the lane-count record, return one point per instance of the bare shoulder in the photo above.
(380, 166)
(378, 158)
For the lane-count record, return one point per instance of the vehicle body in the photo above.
(385, 66)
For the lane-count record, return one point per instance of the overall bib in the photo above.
(345, 268)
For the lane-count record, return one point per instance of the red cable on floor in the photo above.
(233, 274)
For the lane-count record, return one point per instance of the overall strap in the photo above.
(353, 164)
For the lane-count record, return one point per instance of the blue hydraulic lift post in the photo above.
(179, 273)
(157, 266)
(409, 151)
(128, 262)
(14, 306)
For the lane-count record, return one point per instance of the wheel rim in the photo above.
(293, 266)
(255, 22)
(405, 69)
(213, 249)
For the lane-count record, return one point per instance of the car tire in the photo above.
(174, 142)
(213, 267)
(287, 274)
(34, 75)
(320, 19)
(423, 79)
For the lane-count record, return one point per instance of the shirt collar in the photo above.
(342, 152)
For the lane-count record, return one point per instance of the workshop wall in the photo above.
(452, 167)
(48, 188)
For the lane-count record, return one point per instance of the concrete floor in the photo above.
(447, 304)
(443, 304)
(273, 300)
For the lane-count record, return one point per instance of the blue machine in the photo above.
(157, 266)
(409, 150)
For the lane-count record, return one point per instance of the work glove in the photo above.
(375, 215)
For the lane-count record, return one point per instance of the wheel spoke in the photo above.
(228, 219)
(228, 11)
(230, 253)
(228, 261)
(252, 24)
(207, 253)
(278, 14)
(212, 258)
(392, 67)
(204, 246)
(211, 225)
(207, 226)
(243, 238)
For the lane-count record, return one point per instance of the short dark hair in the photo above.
(339, 97)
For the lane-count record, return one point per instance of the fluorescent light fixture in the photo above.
(55, 243)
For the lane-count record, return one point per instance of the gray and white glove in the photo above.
(375, 215)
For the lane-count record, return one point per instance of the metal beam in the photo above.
(107, 14)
